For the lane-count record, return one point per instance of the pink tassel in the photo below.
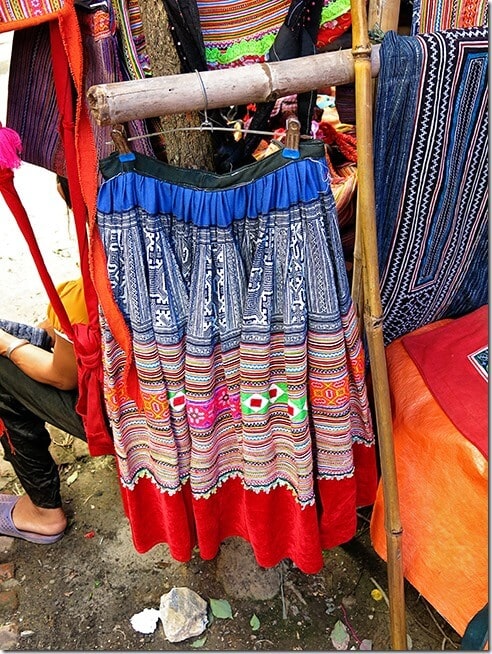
(10, 148)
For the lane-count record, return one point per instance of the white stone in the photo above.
(145, 622)
(183, 614)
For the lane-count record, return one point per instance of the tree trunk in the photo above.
(191, 149)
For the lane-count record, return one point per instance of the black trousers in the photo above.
(25, 406)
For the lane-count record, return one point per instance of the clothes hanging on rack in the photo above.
(431, 171)
(211, 35)
(249, 415)
(31, 104)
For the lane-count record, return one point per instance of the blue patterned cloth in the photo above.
(35, 335)
(431, 171)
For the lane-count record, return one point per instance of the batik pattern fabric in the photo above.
(437, 15)
(250, 415)
(431, 171)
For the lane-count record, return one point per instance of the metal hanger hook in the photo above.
(206, 122)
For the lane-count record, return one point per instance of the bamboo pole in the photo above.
(121, 102)
(366, 217)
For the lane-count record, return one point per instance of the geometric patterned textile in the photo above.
(237, 33)
(431, 171)
(246, 351)
(27, 13)
(438, 15)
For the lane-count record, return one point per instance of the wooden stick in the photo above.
(120, 102)
(366, 217)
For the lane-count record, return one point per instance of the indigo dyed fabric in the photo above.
(431, 173)
(244, 342)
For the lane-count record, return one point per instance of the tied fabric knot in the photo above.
(88, 346)
(90, 405)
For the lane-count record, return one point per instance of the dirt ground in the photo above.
(81, 593)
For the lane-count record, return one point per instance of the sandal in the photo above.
(7, 527)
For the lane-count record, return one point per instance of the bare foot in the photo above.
(29, 517)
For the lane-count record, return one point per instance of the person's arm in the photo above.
(57, 368)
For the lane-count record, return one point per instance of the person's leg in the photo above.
(25, 406)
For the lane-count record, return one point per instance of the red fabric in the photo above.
(15, 205)
(86, 338)
(442, 357)
(334, 29)
(274, 523)
(443, 496)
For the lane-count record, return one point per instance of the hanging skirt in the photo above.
(251, 416)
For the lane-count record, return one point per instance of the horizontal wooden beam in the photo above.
(120, 102)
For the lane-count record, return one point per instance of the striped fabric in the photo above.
(27, 11)
(236, 33)
(32, 110)
(437, 15)
(431, 170)
(101, 40)
(244, 338)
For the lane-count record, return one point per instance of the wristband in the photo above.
(14, 346)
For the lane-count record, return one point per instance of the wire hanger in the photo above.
(290, 150)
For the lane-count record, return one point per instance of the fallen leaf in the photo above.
(199, 642)
(339, 636)
(365, 644)
(254, 622)
(221, 608)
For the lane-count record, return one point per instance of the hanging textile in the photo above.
(210, 35)
(31, 102)
(249, 415)
(431, 171)
(18, 15)
(437, 15)
(101, 45)
(32, 109)
(225, 34)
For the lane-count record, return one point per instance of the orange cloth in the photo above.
(443, 492)
(72, 296)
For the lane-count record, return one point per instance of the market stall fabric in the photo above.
(238, 403)
(431, 198)
(442, 463)
(431, 172)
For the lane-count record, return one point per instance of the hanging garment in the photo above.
(431, 171)
(210, 35)
(17, 15)
(223, 34)
(235, 382)
(31, 102)
(32, 109)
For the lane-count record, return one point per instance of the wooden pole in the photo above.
(384, 14)
(366, 217)
(121, 102)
